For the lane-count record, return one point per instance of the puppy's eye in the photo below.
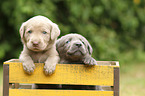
(44, 32)
(29, 31)
(67, 41)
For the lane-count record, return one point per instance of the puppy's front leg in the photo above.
(28, 64)
(89, 60)
(50, 64)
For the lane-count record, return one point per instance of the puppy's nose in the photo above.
(78, 44)
(35, 43)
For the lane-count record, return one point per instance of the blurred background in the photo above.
(114, 28)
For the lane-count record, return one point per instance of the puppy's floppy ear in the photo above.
(55, 32)
(22, 30)
(89, 48)
(60, 42)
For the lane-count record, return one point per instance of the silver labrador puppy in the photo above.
(38, 36)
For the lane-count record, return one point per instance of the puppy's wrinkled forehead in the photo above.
(34, 23)
(75, 37)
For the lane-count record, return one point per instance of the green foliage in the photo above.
(112, 27)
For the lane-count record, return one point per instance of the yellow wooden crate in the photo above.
(106, 73)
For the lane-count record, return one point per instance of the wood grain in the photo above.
(64, 74)
(35, 92)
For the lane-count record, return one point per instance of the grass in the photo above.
(132, 80)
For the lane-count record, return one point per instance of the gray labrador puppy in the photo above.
(74, 48)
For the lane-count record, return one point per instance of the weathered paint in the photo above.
(64, 74)
(35, 92)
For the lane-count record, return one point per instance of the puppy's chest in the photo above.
(39, 57)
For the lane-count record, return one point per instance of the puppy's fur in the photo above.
(38, 36)
(74, 48)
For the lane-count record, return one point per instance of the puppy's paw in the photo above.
(49, 69)
(90, 61)
(28, 68)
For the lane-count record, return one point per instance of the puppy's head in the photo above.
(39, 33)
(73, 46)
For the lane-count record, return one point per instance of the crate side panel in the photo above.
(64, 74)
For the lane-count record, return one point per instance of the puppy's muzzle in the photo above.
(35, 43)
(75, 48)
(78, 44)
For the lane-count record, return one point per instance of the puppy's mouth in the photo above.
(36, 48)
(76, 52)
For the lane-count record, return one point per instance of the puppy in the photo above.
(38, 36)
(74, 48)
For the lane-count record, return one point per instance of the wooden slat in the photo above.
(116, 81)
(109, 63)
(6, 80)
(35, 92)
(64, 74)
